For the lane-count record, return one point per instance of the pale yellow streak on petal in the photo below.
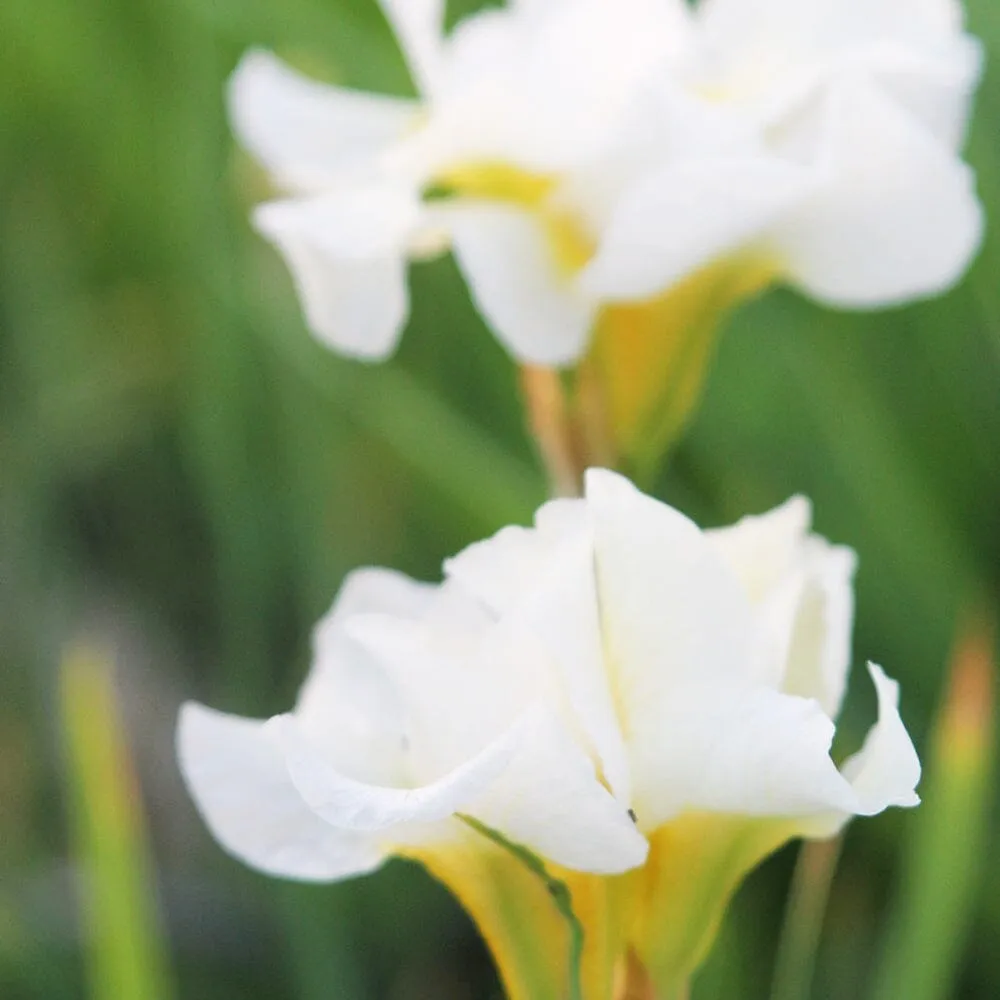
(571, 245)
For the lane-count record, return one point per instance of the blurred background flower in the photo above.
(187, 476)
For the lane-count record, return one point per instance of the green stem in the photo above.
(557, 890)
(806, 906)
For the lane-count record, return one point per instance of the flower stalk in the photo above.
(548, 417)
(804, 912)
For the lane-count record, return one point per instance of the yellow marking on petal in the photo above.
(696, 862)
(652, 356)
(522, 928)
(498, 182)
(572, 247)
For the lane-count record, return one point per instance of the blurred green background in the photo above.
(185, 477)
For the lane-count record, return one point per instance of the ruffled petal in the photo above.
(532, 784)
(462, 681)
(310, 135)
(734, 750)
(763, 549)
(500, 570)
(237, 777)
(686, 215)
(896, 215)
(510, 265)
(372, 590)
(355, 805)
(347, 255)
(886, 771)
(348, 706)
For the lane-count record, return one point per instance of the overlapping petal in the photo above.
(895, 215)
(237, 776)
(680, 218)
(536, 310)
(802, 591)
(886, 771)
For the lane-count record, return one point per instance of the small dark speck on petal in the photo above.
(632, 816)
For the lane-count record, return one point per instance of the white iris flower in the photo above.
(613, 688)
(577, 154)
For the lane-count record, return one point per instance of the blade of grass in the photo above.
(464, 463)
(941, 877)
(125, 947)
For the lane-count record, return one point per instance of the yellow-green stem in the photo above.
(550, 424)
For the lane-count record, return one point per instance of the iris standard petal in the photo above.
(818, 655)
(896, 215)
(670, 607)
(237, 777)
(310, 135)
(542, 578)
(497, 570)
(801, 589)
(762, 549)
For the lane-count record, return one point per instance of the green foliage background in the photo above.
(185, 475)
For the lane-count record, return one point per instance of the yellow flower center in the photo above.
(572, 246)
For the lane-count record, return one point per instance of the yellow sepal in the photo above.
(651, 357)
(527, 936)
(696, 862)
